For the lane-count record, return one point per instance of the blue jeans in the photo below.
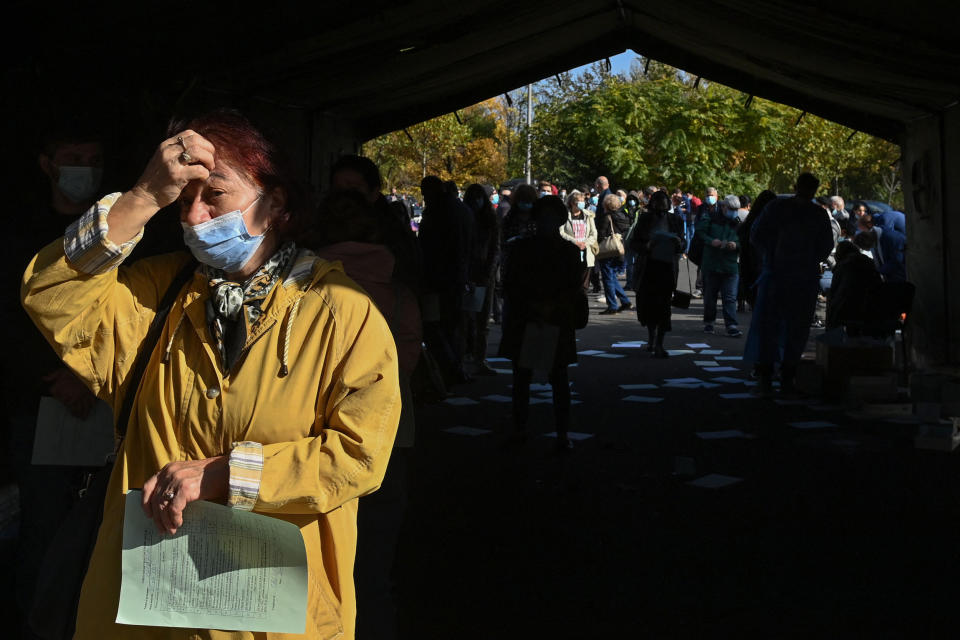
(629, 259)
(616, 296)
(726, 285)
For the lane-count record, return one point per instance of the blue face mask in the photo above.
(711, 200)
(224, 242)
(581, 205)
(496, 198)
(593, 200)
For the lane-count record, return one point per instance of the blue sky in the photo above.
(619, 63)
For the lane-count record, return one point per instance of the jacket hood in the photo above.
(361, 260)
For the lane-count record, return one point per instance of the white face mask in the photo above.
(79, 183)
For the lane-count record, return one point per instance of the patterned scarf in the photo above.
(233, 309)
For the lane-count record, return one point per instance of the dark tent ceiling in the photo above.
(383, 65)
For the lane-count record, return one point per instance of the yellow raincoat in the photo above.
(327, 428)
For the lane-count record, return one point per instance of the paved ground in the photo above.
(838, 531)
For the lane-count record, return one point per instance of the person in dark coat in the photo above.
(658, 241)
(446, 234)
(854, 285)
(750, 262)
(543, 288)
(794, 236)
(484, 261)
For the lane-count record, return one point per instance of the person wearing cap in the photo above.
(719, 268)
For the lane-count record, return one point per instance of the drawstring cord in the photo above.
(285, 358)
(173, 334)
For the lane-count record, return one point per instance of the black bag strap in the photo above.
(150, 342)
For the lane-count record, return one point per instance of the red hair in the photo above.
(245, 148)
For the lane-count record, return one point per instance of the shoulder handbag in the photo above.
(681, 299)
(54, 612)
(612, 245)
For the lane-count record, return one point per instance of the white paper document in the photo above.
(698, 345)
(62, 439)
(645, 399)
(224, 569)
(631, 387)
(719, 369)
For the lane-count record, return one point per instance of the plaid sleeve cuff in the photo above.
(246, 468)
(85, 241)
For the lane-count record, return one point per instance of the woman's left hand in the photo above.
(177, 484)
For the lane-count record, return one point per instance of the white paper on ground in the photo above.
(737, 396)
(680, 352)
(698, 345)
(498, 359)
(628, 345)
(223, 569)
(632, 387)
(646, 399)
(505, 372)
(714, 481)
(711, 352)
(589, 352)
(720, 369)
(62, 439)
(573, 435)
(705, 363)
(682, 385)
(460, 401)
(467, 431)
(724, 435)
(729, 358)
(496, 397)
(682, 380)
(729, 380)
(813, 424)
(609, 355)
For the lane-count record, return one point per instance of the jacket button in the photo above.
(213, 392)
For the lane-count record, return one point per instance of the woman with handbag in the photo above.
(658, 241)
(612, 227)
(274, 386)
(581, 230)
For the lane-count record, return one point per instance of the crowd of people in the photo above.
(343, 299)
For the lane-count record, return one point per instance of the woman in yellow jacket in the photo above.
(274, 384)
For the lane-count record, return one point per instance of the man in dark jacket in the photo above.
(446, 235)
(794, 236)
